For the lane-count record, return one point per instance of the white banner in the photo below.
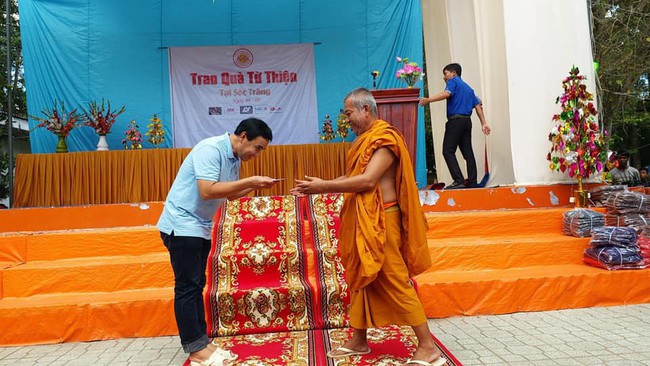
(214, 88)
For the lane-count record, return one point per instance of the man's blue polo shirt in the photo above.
(462, 99)
(185, 212)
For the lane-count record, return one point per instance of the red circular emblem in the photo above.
(243, 58)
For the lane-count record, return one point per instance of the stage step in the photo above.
(495, 223)
(80, 243)
(87, 316)
(532, 288)
(101, 272)
(505, 251)
(94, 274)
(79, 217)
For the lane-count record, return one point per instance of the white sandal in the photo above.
(226, 354)
(208, 362)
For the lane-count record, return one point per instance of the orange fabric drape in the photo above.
(130, 176)
(363, 230)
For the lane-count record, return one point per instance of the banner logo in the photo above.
(243, 58)
(215, 111)
(246, 109)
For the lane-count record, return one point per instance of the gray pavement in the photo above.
(594, 336)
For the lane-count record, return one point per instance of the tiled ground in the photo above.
(595, 336)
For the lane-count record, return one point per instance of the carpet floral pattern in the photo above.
(276, 291)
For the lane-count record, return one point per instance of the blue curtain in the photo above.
(80, 51)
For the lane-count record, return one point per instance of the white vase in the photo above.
(102, 145)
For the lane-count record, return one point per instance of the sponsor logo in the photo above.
(246, 109)
(261, 109)
(242, 58)
(215, 111)
(231, 111)
(275, 109)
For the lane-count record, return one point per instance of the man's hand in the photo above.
(260, 182)
(424, 101)
(310, 185)
(486, 129)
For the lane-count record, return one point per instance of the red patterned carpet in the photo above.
(276, 293)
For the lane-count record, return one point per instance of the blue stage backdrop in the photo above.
(78, 51)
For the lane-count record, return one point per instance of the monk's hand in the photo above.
(309, 185)
(424, 101)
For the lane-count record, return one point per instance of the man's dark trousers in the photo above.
(458, 134)
(189, 257)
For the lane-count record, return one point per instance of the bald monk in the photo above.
(383, 231)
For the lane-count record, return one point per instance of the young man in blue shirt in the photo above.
(461, 101)
(209, 175)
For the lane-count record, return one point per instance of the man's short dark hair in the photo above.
(646, 169)
(254, 127)
(454, 68)
(623, 154)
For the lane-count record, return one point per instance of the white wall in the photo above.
(544, 39)
(515, 54)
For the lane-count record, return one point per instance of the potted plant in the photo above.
(101, 118)
(410, 72)
(59, 122)
(577, 143)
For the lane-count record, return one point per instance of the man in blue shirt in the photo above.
(209, 175)
(461, 100)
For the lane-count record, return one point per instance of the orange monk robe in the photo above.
(363, 221)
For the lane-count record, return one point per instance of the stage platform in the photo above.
(92, 272)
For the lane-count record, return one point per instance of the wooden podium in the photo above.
(399, 107)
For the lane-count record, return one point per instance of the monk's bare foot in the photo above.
(353, 347)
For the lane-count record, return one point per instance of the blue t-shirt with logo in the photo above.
(185, 212)
(462, 99)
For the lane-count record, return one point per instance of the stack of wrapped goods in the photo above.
(643, 242)
(600, 194)
(628, 209)
(614, 248)
(580, 221)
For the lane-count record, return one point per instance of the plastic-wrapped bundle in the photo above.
(600, 194)
(628, 202)
(622, 237)
(615, 255)
(580, 221)
(593, 258)
(643, 242)
(635, 220)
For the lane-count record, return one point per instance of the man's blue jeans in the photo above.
(189, 258)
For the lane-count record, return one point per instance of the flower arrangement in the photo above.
(156, 133)
(375, 75)
(132, 137)
(577, 145)
(101, 118)
(342, 125)
(57, 120)
(410, 71)
(327, 133)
